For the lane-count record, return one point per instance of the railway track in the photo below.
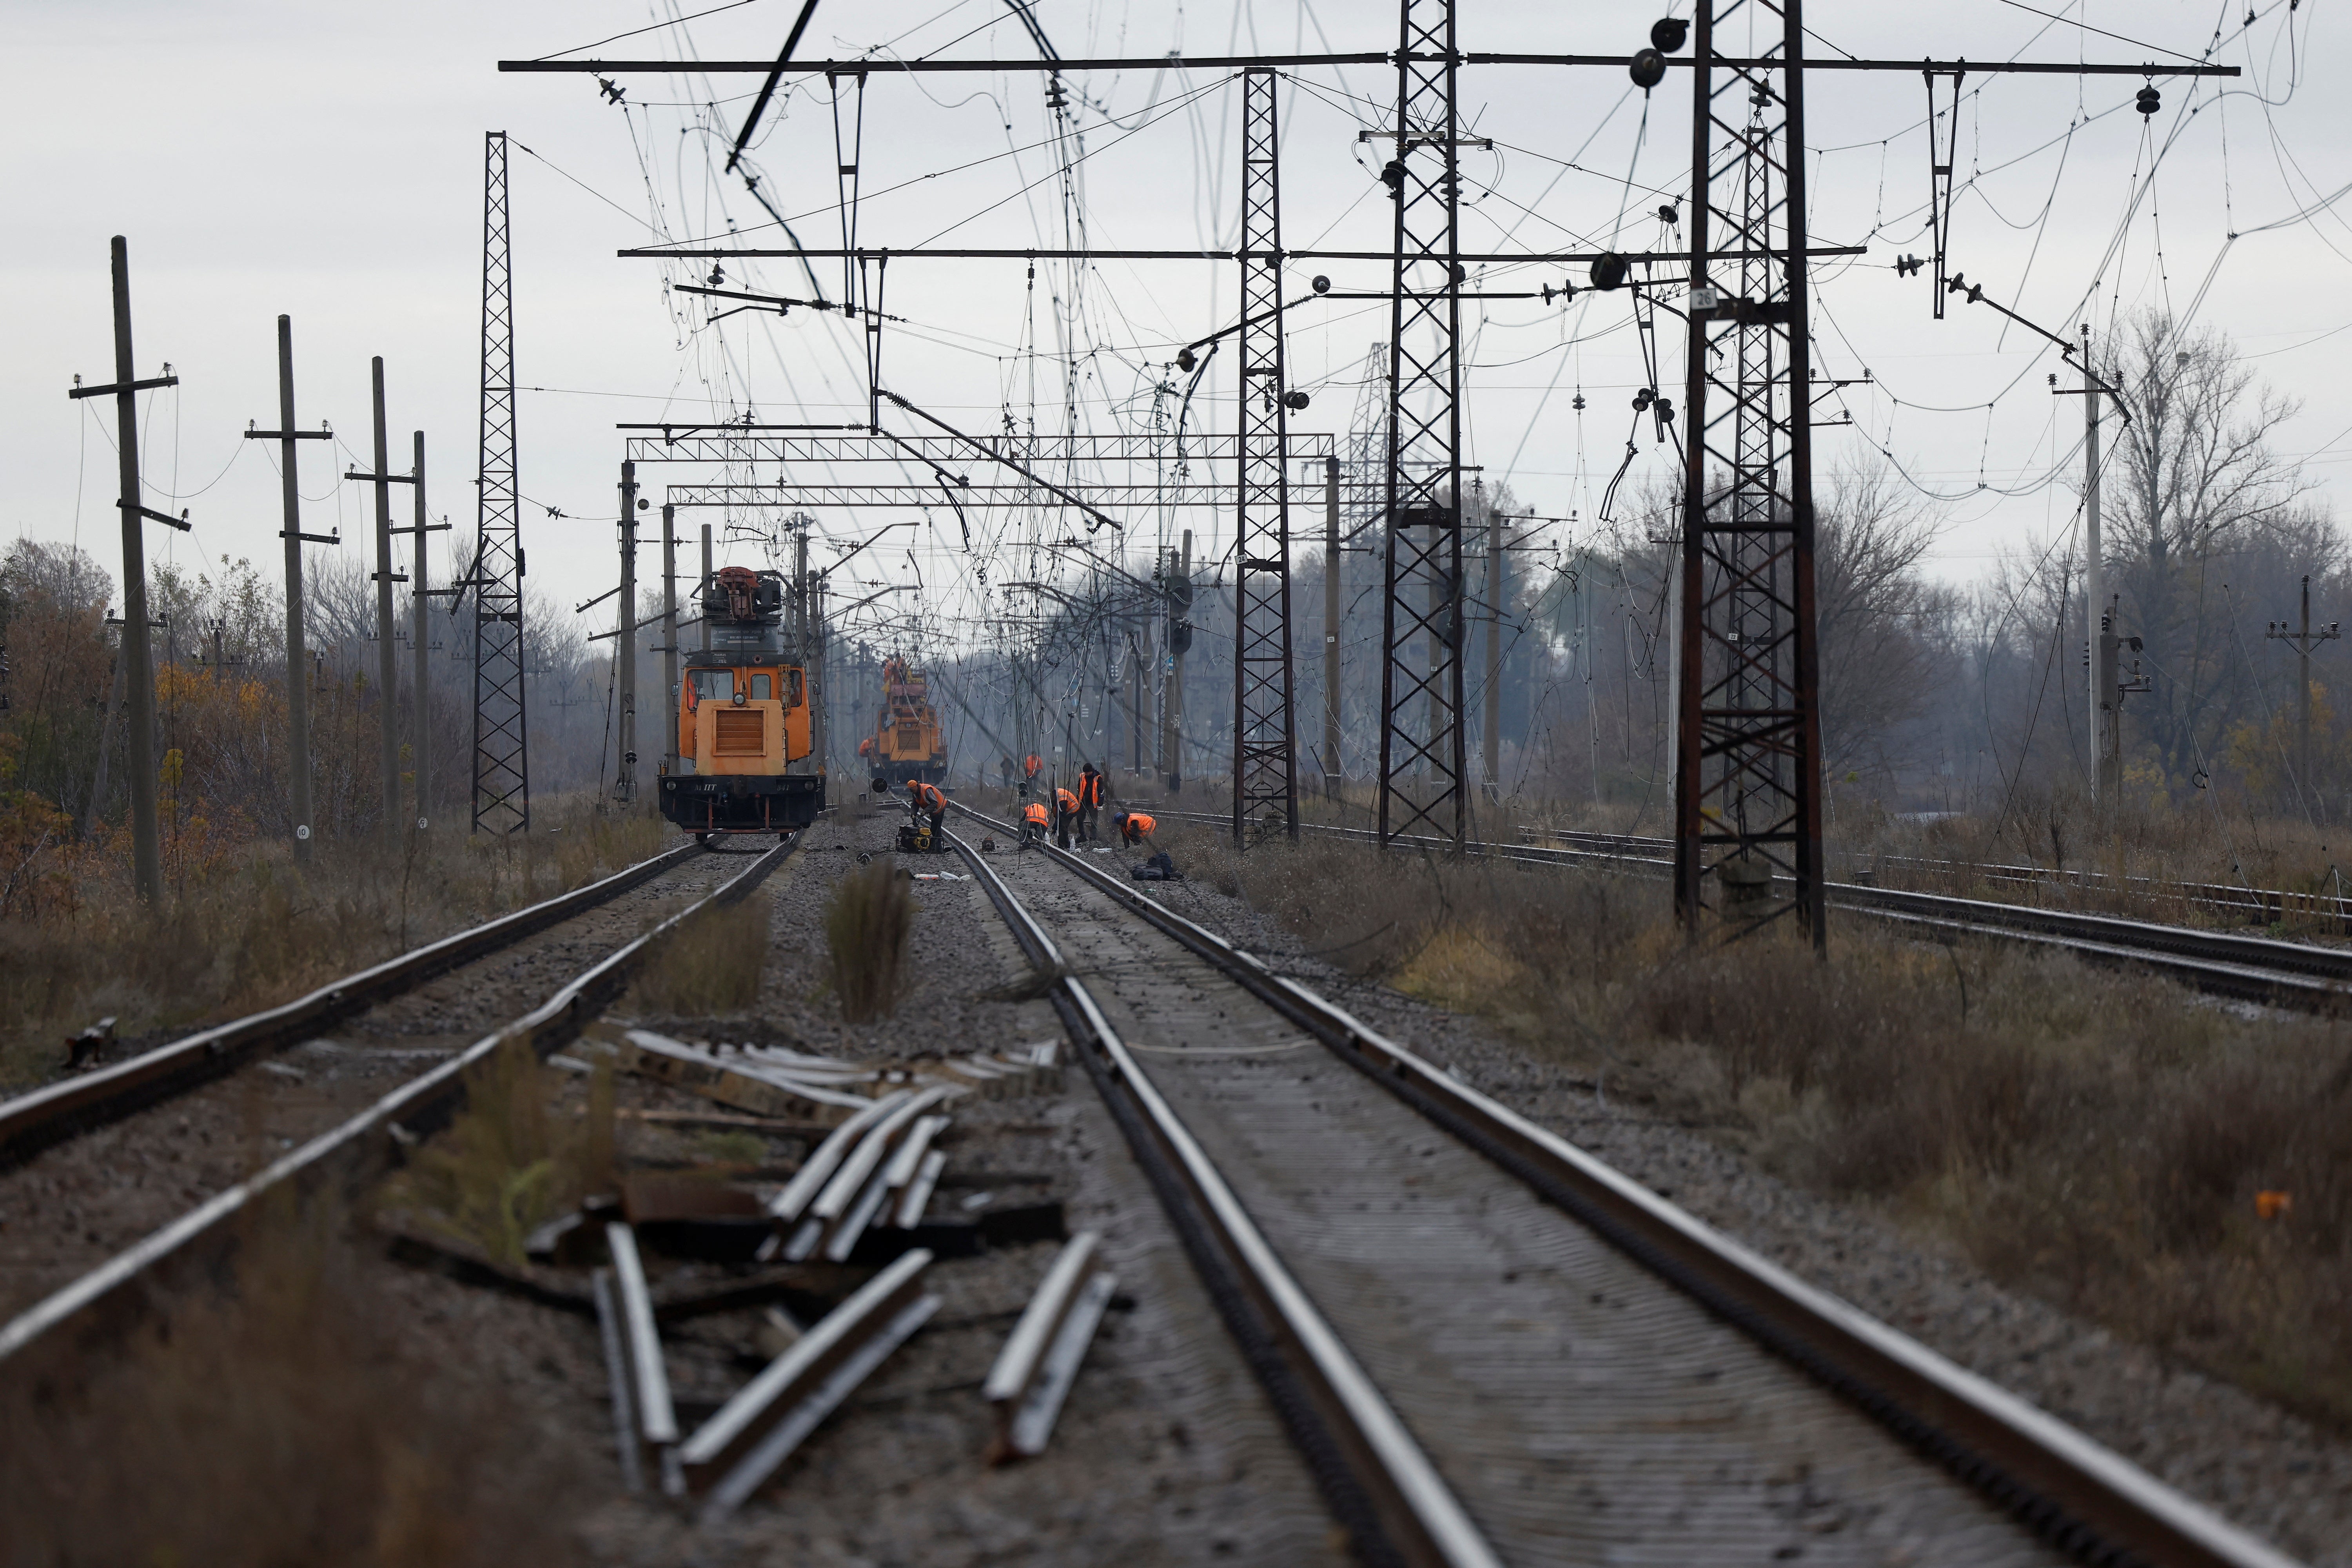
(66, 1283)
(2230, 963)
(1491, 1347)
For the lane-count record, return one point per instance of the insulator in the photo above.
(1607, 270)
(1322, 284)
(1647, 68)
(2149, 101)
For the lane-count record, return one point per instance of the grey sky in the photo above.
(326, 161)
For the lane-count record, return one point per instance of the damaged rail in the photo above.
(2074, 1492)
(57, 1112)
(95, 1306)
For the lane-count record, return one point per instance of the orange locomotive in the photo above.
(742, 719)
(906, 745)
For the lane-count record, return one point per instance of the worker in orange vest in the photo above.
(1032, 823)
(1090, 799)
(1066, 812)
(1132, 826)
(925, 800)
(1029, 766)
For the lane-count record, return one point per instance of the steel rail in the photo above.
(2078, 1494)
(1420, 1519)
(101, 1303)
(55, 1112)
(2250, 968)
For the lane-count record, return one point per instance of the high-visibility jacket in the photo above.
(1137, 824)
(927, 795)
(1030, 764)
(1038, 813)
(1090, 789)
(865, 747)
(1069, 801)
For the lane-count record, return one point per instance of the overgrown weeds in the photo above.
(2096, 1136)
(866, 927)
(280, 1420)
(711, 967)
(508, 1163)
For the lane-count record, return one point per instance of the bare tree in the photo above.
(2197, 486)
(1872, 615)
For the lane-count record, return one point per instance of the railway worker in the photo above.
(1034, 821)
(1066, 812)
(925, 800)
(1132, 826)
(1029, 766)
(1090, 799)
(1005, 767)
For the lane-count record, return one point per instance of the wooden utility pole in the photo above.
(138, 674)
(669, 638)
(1180, 638)
(1331, 627)
(2304, 640)
(624, 785)
(2106, 721)
(298, 671)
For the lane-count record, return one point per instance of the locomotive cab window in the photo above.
(713, 685)
(761, 687)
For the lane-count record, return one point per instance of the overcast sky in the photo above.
(326, 161)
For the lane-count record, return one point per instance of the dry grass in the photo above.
(711, 967)
(508, 1162)
(268, 931)
(866, 928)
(282, 1421)
(2094, 1136)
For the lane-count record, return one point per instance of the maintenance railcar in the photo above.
(906, 742)
(743, 729)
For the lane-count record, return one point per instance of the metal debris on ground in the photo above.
(1034, 1372)
(729, 1457)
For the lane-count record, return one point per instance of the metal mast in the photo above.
(501, 757)
(1265, 772)
(1421, 760)
(1748, 810)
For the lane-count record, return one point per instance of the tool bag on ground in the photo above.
(1159, 868)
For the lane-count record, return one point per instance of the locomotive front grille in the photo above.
(739, 733)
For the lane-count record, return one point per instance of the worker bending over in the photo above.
(925, 800)
(1132, 826)
(1090, 799)
(1034, 821)
(1066, 804)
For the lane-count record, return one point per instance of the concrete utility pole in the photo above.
(1180, 638)
(2304, 640)
(1331, 627)
(387, 671)
(704, 587)
(625, 786)
(420, 598)
(804, 651)
(297, 672)
(2106, 719)
(1493, 737)
(669, 636)
(138, 674)
(818, 687)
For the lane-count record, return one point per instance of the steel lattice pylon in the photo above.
(1421, 760)
(1265, 756)
(1748, 807)
(501, 755)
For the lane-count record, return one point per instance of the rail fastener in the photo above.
(728, 1456)
(1034, 1372)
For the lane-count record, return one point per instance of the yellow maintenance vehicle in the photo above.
(906, 742)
